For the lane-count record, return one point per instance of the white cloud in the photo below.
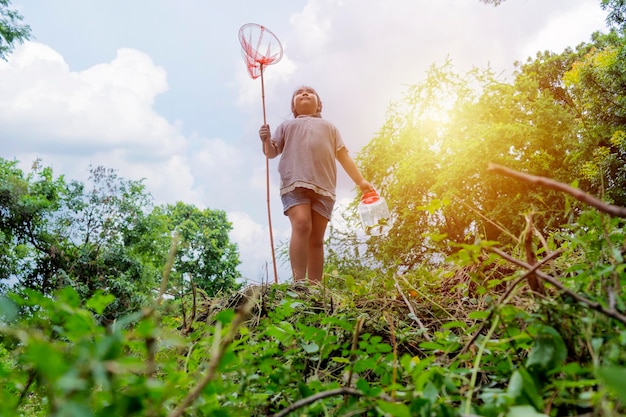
(104, 106)
(568, 29)
(254, 247)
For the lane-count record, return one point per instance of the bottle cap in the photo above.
(370, 197)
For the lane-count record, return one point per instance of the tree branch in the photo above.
(591, 304)
(414, 316)
(615, 211)
(325, 394)
(504, 296)
(219, 348)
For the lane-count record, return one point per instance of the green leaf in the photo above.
(614, 379)
(225, 316)
(310, 347)
(71, 382)
(69, 296)
(46, 359)
(305, 390)
(478, 315)
(99, 301)
(453, 324)
(394, 409)
(363, 385)
(109, 347)
(548, 353)
(73, 409)
(523, 411)
(8, 310)
(431, 346)
(522, 389)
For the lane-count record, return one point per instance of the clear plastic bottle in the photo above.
(374, 214)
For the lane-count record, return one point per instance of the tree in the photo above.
(617, 12)
(11, 30)
(597, 85)
(27, 207)
(65, 234)
(105, 236)
(447, 130)
(205, 256)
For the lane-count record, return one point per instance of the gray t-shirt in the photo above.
(308, 146)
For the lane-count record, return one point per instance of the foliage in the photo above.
(597, 81)
(437, 188)
(11, 29)
(617, 12)
(104, 236)
(561, 117)
(439, 318)
(444, 342)
(206, 254)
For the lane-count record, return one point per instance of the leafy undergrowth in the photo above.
(468, 339)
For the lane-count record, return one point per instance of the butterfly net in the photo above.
(259, 48)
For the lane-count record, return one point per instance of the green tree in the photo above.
(64, 234)
(11, 29)
(430, 161)
(106, 235)
(205, 256)
(563, 116)
(617, 12)
(27, 207)
(596, 84)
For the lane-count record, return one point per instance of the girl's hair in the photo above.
(319, 101)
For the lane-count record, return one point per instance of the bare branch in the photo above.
(325, 394)
(580, 195)
(504, 296)
(591, 304)
(414, 316)
(216, 356)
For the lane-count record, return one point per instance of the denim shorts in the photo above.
(321, 204)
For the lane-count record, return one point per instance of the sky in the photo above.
(158, 89)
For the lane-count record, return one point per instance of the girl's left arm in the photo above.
(353, 172)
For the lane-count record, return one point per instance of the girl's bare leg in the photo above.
(316, 247)
(301, 226)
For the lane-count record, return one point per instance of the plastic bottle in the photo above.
(374, 214)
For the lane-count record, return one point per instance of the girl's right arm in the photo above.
(269, 148)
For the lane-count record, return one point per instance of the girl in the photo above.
(308, 146)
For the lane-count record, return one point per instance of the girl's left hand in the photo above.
(366, 186)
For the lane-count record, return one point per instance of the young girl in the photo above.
(308, 146)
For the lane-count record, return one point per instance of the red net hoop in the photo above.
(259, 47)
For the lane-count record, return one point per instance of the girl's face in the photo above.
(305, 101)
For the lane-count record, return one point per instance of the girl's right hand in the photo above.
(264, 133)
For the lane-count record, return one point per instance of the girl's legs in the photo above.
(316, 247)
(306, 247)
(301, 225)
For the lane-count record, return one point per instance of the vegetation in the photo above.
(11, 29)
(499, 291)
(106, 236)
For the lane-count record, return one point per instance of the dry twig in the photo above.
(580, 195)
(531, 270)
(535, 284)
(592, 304)
(413, 315)
(325, 394)
(215, 358)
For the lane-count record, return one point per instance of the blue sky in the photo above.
(158, 89)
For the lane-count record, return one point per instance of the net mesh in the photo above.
(259, 48)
